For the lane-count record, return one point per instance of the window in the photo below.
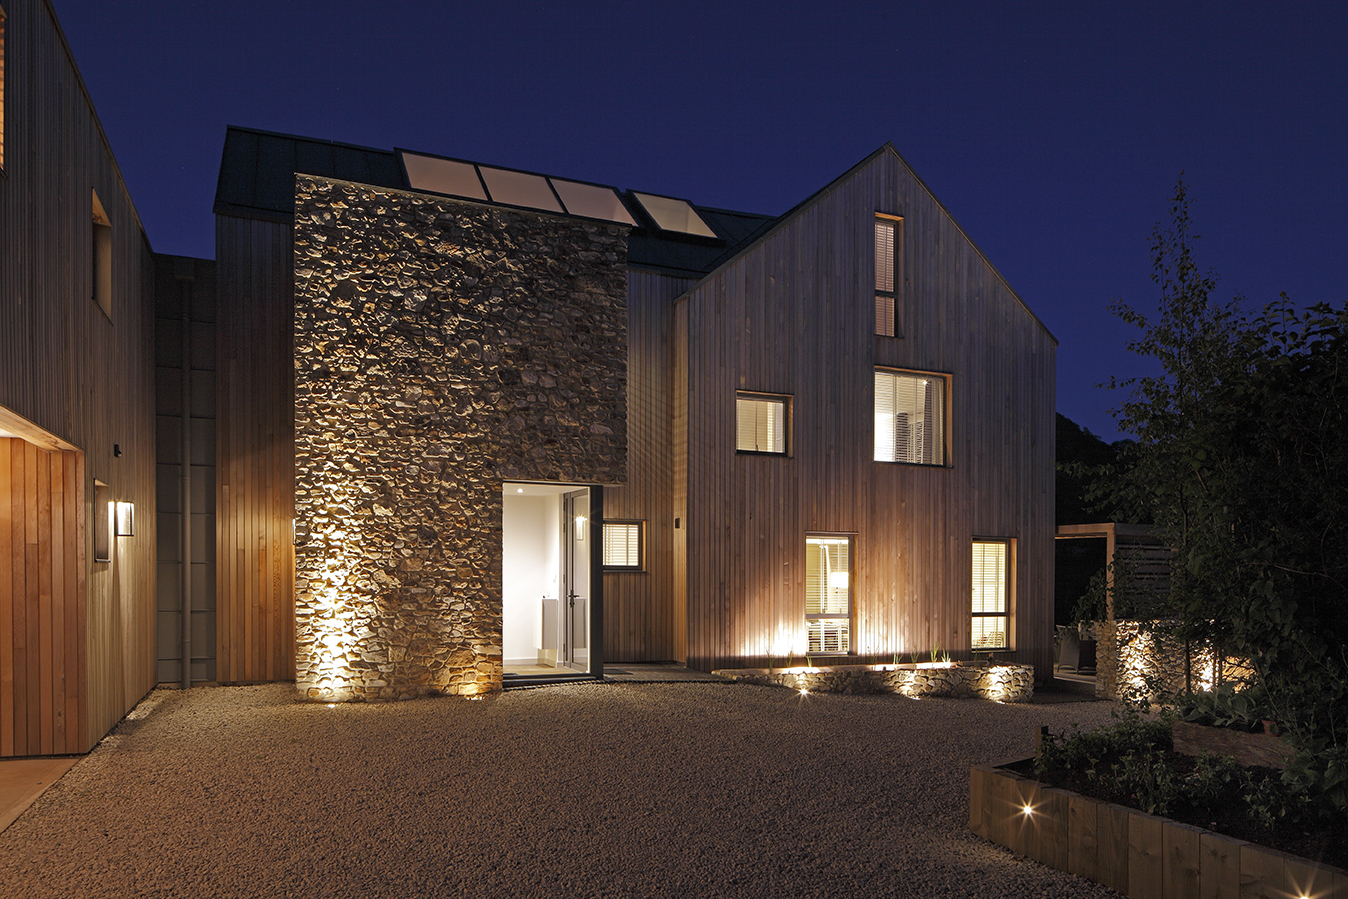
(101, 276)
(623, 549)
(910, 417)
(828, 594)
(760, 423)
(991, 621)
(670, 214)
(888, 275)
(102, 522)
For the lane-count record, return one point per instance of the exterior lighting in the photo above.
(580, 527)
(126, 520)
(519, 489)
(804, 691)
(1027, 810)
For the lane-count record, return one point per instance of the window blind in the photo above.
(622, 544)
(828, 593)
(990, 614)
(909, 418)
(760, 425)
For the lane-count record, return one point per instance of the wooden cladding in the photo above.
(43, 670)
(794, 314)
(255, 452)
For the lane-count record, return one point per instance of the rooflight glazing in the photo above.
(443, 176)
(674, 215)
(592, 201)
(519, 189)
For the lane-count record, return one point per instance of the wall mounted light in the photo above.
(126, 520)
(580, 527)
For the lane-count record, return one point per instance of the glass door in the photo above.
(577, 531)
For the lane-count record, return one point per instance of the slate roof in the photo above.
(257, 180)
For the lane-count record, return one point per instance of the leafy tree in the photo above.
(1241, 462)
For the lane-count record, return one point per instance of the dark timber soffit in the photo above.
(257, 180)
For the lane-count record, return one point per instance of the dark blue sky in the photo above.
(1054, 132)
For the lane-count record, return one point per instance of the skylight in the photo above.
(592, 201)
(519, 189)
(674, 215)
(442, 176)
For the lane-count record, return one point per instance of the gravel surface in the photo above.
(699, 790)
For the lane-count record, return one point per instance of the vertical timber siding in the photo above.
(640, 621)
(69, 371)
(795, 315)
(255, 451)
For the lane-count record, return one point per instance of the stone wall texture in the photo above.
(1141, 662)
(1001, 683)
(441, 348)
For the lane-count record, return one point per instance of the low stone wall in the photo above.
(1000, 683)
(1138, 661)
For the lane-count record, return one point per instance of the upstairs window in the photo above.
(991, 616)
(623, 550)
(888, 275)
(910, 417)
(101, 274)
(760, 423)
(828, 594)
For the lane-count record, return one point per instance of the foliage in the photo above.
(1226, 707)
(1241, 462)
(1131, 762)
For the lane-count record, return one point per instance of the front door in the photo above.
(575, 579)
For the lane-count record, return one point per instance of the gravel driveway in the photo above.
(699, 790)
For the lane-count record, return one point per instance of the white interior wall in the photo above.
(530, 566)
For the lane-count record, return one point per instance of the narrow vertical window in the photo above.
(910, 417)
(101, 261)
(102, 523)
(888, 275)
(760, 423)
(828, 594)
(991, 616)
(623, 549)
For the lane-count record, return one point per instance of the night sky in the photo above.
(1053, 132)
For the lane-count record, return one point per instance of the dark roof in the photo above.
(257, 180)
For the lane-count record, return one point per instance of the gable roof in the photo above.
(257, 180)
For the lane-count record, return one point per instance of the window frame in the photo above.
(893, 295)
(100, 256)
(945, 411)
(850, 617)
(1007, 612)
(784, 399)
(640, 525)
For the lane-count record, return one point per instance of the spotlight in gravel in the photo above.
(804, 691)
(332, 705)
(1027, 810)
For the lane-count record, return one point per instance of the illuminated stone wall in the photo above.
(440, 348)
(1139, 661)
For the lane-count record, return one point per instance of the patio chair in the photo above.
(1069, 648)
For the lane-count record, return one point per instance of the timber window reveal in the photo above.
(910, 416)
(103, 513)
(624, 548)
(888, 275)
(101, 273)
(991, 611)
(761, 422)
(828, 593)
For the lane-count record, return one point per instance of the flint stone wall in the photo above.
(441, 347)
(1140, 661)
(1004, 683)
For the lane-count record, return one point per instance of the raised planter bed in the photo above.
(999, 683)
(1134, 853)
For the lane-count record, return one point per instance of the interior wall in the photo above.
(531, 527)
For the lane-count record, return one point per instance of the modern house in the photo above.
(77, 408)
(426, 425)
(542, 424)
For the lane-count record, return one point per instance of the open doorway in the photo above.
(547, 595)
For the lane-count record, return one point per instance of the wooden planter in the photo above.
(1134, 853)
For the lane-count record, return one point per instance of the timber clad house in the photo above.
(429, 426)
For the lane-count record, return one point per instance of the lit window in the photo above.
(674, 215)
(910, 417)
(760, 423)
(592, 201)
(442, 176)
(888, 275)
(828, 594)
(622, 545)
(991, 619)
(519, 189)
(101, 276)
